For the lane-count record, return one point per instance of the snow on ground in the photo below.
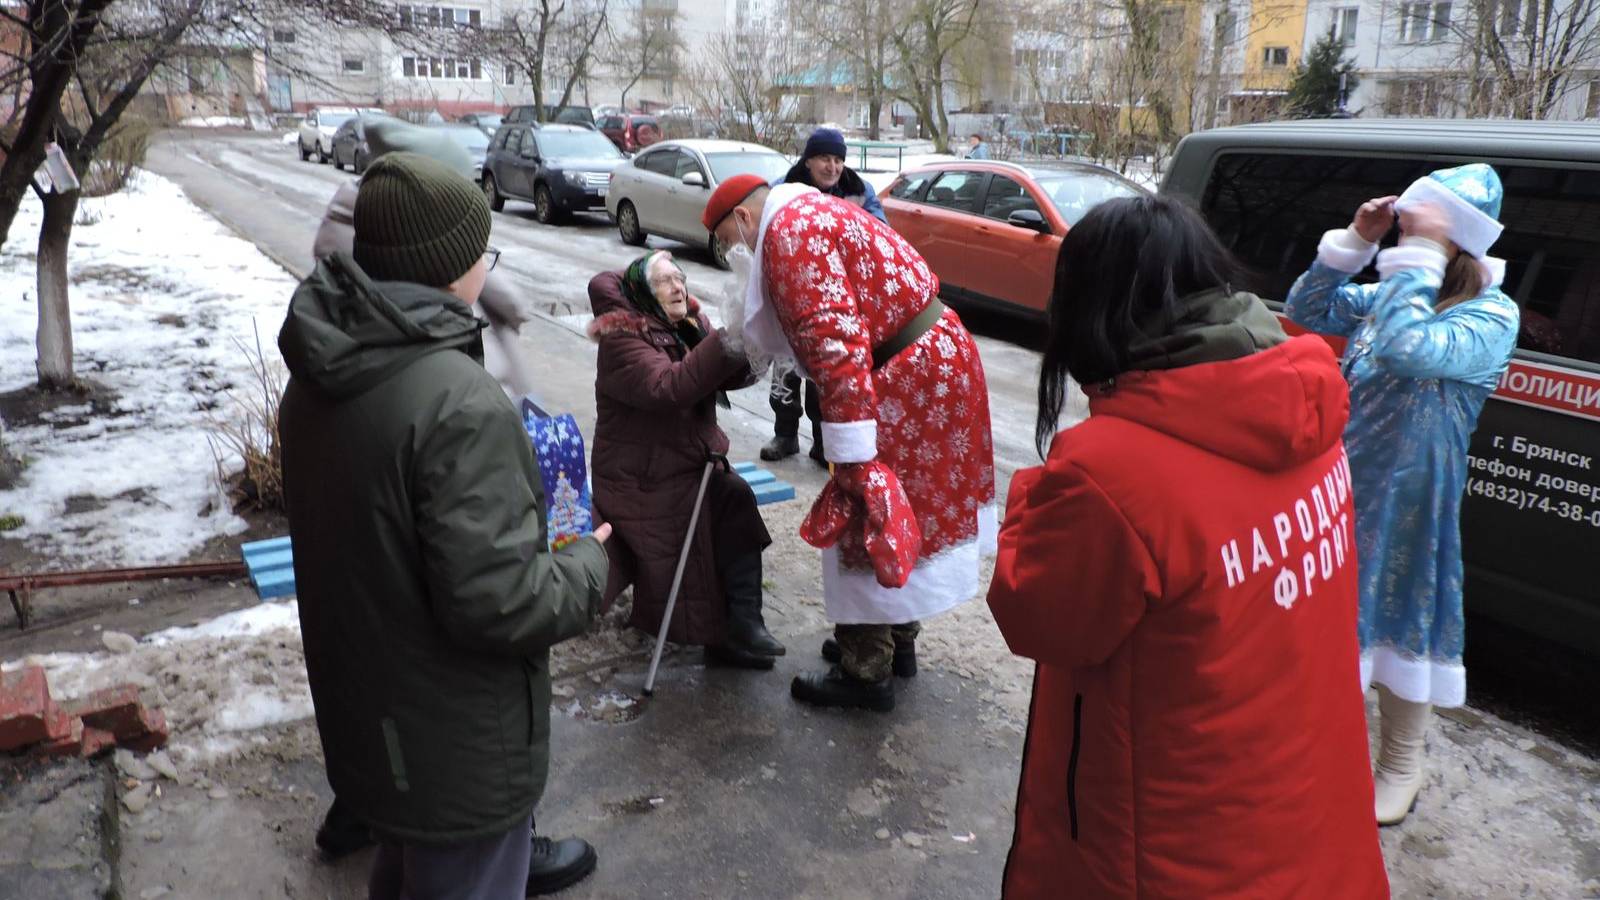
(161, 295)
(213, 122)
(215, 682)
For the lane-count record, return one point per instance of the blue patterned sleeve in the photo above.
(1324, 301)
(1470, 342)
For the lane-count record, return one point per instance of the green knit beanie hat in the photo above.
(418, 221)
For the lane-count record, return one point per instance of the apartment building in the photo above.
(1459, 58)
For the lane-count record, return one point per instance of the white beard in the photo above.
(742, 263)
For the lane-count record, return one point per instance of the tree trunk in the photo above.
(10, 466)
(1215, 78)
(55, 313)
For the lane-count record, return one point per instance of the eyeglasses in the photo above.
(670, 278)
(493, 256)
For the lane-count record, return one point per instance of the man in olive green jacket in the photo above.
(428, 596)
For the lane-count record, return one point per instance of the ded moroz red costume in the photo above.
(910, 506)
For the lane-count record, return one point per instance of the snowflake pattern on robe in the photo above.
(558, 448)
(842, 283)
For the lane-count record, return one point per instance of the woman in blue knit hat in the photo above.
(821, 166)
(1427, 345)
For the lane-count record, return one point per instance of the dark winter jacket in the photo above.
(656, 425)
(851, 187)
(428, 597)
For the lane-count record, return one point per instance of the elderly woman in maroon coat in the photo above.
(662, 372)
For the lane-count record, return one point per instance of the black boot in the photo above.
(835, 688)
(557, 865)
(747, 633)
(905, 657)
(341, 833)
(780, 447)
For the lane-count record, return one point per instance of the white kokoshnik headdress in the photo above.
(1470, 196)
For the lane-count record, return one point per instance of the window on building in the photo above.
(1510, 18)
(1275, 57)
(1227, 27)
(283, 35)
(1592, 109)
(1424, 22)
(355, 66)
(408, 67)
(1344, 23)
(511, 74)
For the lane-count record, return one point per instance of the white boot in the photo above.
(1402, 726)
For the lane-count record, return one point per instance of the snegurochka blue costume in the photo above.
(1426, 347)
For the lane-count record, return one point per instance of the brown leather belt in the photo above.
(908, 335)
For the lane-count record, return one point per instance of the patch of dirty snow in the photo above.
(162, 294)
(212, 122)
(241, 672)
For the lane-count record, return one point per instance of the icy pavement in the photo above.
(162, 296)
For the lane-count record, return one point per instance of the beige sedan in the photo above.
(663, 190)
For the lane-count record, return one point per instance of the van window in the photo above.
(1272, 209)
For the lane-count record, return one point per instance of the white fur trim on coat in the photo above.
(1444, 684)
(761, 328)
(850, 442)
(937, 584)
(1472, 229)
(1346, 251)
(1396, 259)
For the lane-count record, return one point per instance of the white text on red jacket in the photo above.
(1300, 546)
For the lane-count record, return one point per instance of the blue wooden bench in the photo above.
(767, 487)
(271, 565)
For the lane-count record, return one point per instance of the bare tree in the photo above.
(928, 33)
(543, 41)
(860, 35)
(1527, 53)
(646, 45)
(741, 77)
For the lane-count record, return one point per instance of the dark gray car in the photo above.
(560, 169)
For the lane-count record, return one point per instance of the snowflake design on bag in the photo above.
(855, 234)
(947, 349)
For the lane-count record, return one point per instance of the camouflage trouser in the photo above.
(866, 652)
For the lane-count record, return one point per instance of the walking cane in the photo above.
(677, 579)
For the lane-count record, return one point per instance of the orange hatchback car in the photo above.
(991, 230)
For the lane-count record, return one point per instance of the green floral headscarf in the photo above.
(636, 287)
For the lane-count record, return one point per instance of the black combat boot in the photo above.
(835, 688)
(342, 833)
(781, 446)
(905, 657)
(557, 865)
(748, 643)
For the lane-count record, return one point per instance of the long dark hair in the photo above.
(1127, 262)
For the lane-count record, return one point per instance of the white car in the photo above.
(663, 190)
(316, 132)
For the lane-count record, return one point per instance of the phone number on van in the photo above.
(1528, 500)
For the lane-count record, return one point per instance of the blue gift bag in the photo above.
(558, 447)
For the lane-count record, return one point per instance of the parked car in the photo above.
(631, 132)
(607, 109)
(488, 123)
(472, 140)
(558, 168)
(350, 145)
(664, 189)
(318, 129)
(991, 230)
(565, 115)
(1531, 518)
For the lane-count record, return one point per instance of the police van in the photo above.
(1531, 520)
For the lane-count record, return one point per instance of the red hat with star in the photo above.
(729, 194)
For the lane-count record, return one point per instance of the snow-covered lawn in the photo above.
(162, 296)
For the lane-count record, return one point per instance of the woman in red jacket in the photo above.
(1183, 569)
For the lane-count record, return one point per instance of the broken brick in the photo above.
(69, 740)
(25, 708)
(155, 733)
(116, 710)
(96, 742)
